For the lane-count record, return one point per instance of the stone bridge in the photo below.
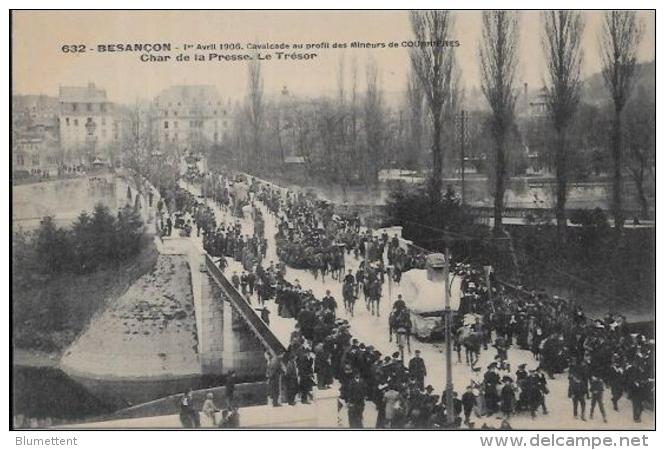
(231, 334)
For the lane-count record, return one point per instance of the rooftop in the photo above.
(82, 94)
(189, 93)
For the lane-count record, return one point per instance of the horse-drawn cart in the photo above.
(425, 300)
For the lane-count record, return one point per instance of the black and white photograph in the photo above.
(332, 220)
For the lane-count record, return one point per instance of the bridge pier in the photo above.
(228, 361)
(230, 334)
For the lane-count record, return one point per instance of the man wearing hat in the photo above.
(578, 390)
(617, 380)
(329, 301)
(457, 406)
(491, 380)
(355, 398)
(417, 370)
(468, 403)
(397, 369)
(274, 374)
(597, 387)
(521, 373)
(521, 376)
(507, 397)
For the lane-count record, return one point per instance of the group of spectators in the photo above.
(597, 354)
(322, 349)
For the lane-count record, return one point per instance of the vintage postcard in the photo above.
(429, 219)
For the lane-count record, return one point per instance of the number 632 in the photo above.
(75, 48)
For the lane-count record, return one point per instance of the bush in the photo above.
(412, 208)
(596, 219)
(53, 247)
(594, 226)
(92, 241)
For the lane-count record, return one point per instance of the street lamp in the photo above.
(488, 272)
(450, 401)
(438, 268)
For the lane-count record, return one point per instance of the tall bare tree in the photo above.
(619, 42)
(353, 105)
(640, 129)
(561, 41)
(432, 65)
(341, 85)
(498, 63)
(374, 123)
(137, 145)
(255, 108)
(414, 107)
(452, 110)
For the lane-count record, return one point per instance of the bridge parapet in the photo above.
(248, 314)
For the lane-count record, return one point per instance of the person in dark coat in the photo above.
(578, 391)
(274, 374)
(187, 411)
(251, 282)
(508, 397)
(617, 381)
(468, 403)
(521, 376)
(535, 388)
(597, 387)
(355, 398)
(417, 370)
(291, 380)
(322, 366)
(230, 389)
(491, 380)
(235, 281)
(636, 388)
(329, 302)
(551, 350)
(305, 376)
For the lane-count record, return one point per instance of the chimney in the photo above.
(435, 265)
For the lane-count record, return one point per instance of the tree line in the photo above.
(347, 138)
(92, 241)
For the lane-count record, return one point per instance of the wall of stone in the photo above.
(224, 341)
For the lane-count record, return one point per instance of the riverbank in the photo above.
(48, 313)
(25, 357)
(45, 396)
(148, 332)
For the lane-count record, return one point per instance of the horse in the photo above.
(374, 297)
(471, 341)
(400, 319)
(349, 295)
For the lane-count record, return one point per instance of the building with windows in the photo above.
(192, 118)
(88, 124)
(35, 110)
(35, 134)
(35, 151)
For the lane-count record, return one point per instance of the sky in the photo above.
(40, 67)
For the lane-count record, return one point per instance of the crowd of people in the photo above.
(597, 354)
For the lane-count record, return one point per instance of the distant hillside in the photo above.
(594, 90)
